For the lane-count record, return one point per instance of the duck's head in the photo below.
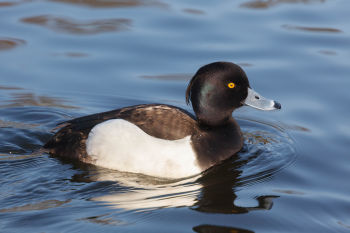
(217, 89)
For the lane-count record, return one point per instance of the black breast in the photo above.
(215, 144)
(161, 121)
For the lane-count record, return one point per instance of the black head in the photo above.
(216, 90)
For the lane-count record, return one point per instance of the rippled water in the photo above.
(62, 59)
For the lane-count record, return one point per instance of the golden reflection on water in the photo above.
(70, 26)
(10, 43)
(264, 4)
(113, 3)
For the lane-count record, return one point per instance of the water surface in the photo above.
(62, 59)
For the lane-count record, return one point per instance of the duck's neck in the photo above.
(213, 118)
(215, 144)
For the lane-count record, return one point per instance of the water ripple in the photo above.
(264, 4)
(114, 3)
(72, 26)
(268, 149)
(312, 29)
(10, 43)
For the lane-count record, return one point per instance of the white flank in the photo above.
(121, 145)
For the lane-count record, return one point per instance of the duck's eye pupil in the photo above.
(231, 85)
(257, 97)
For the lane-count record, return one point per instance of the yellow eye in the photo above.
(231, 85)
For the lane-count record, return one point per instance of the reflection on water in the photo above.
(328, 52)
(12, 3)
(295, 128)
(19, 99)
(114, 3)
(144, 192)
(104, 219)
(311, 29)
(343, 225)
(72, 54)
(43, 205)
(5, 4)
(18, 125)
(72, 26)
(169, 77)
(22, 139)
(10, 43)
(262, 4)
(218, 193)
(214, 191)
(10, 88)
(289, 192)
(219, 229)
(193, 11)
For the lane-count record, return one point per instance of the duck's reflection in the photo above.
(211, 192)
(218, 192)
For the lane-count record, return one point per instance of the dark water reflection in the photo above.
(218, 229)
(312, 29)
(219, 196)
(60, 59)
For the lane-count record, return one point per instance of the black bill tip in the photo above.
(277, 105)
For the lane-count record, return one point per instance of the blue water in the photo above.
(62, 59)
